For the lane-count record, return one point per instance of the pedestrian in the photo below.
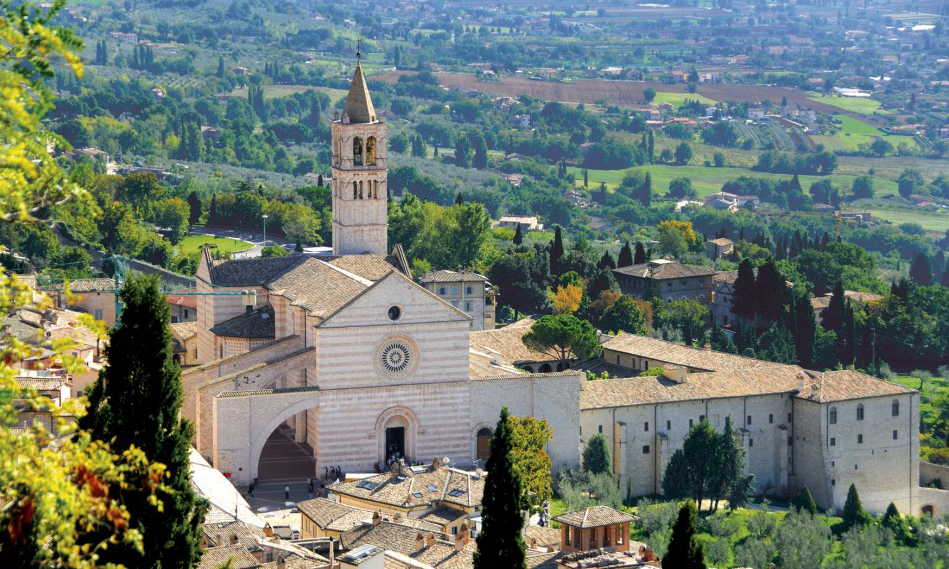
(286, 493)
(251, 489)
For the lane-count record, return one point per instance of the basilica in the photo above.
(357, 364)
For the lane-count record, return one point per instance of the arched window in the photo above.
(895, 408)
(454, 290)
(833, 415)
(360, 189)
(371, 151)
(483, 443)
(441, 290)
(373, 189)
(545, 368)
(860, 412)
(355, 189)
(357, 151)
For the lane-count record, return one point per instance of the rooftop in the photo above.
(673, 353)
(452, 276)
(595, 516)
(843, 385)
(257, 323)
(184, 330)
(507, 343)
(358, 106)
(662, 271)
(417, 486)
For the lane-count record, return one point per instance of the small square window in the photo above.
(690, 423)
(855, 467)
(770, 418)
(895, 435)
(833, 441)
(646, 449)
(701, 418)
(859, 439)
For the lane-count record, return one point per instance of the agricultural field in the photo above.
(679, 99)
(852, 104)
(707, 180)
(193, 243)
(274, 91)
(854, 132)
(929, 220)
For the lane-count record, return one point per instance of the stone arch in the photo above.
(357, 151)
(528, 368)
(259, 439)
(545, 368)
(928, 510)
(409, 420)
(481, 439)
(371, 151)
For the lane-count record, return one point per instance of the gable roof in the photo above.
(661, 271)
(595, 516)
(845, 384)
(358, 106)
(451, 276)
(251, 272)
(508, 344)
(257, 323)
(184, 330)
(671, 352)
(417, 486)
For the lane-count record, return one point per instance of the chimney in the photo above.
(376, 518)
(436, 462)
(675, 373)
(250, 300)
(429, 539)
(418, 541)
(268, 531)
(800, 382)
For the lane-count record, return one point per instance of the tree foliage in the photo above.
(529, 437)
(596, 455)
(563, 337)
(685, 550)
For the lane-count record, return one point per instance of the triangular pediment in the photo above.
(415, 305)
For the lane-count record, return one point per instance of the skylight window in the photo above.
(417, 494)
(432, 488)
(367, 485)
(456, 492)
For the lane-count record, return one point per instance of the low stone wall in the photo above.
(929, 472)
(933, 502)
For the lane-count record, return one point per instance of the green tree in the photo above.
(649, 94)
(625, 258)
(640, 256)
(596, 455)
(563, 337)
(921, 269)
(625, 315)
(862, 188)
(529, 456)
(697, 466)
(500, 543)
(194, 208)
(803, 540)
(854, 514)
(135, 404)
(681, 188)
(518, 236)
(685, 549)
(463, 152)
(804, 501)
(556, 251)
(832, 317)
(910, 181)
(683, 153)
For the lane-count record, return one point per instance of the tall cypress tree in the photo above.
(500, 543)
(640, 257)
(518, 235)
(685, 550)
(832, 318)
(854, 514)
(606, 261)
(744, 300)
(136, 401)
(556, 251)
(921, 270)
(625, 256)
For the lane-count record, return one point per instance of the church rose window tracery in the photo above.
(397, 356)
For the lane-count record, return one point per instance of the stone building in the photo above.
(466, 291)
(670, 280)
(718, 248)
(345, 352)
(594, 527)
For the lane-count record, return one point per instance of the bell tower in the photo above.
(359, 174)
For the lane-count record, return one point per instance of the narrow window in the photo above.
(468, 290)
(617, 359)
(860, 412)
(833, 415)
(770, 418)
(790, 418)
(357, 151)
(748, 422)
(859, 439)
(894, 409)
(355, 189)
(894, 435)
(668, 425)
(600, 428)
(833, 482)
(833, 441)
(646, 426)
(690, 423)
(701, 418)
(751, 442)
(371, 151)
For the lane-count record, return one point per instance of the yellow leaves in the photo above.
(683, 227)
(566, 299)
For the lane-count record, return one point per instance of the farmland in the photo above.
(274, 91)
(854, 132)
(708, 180)
(679, 99)
(853, 104)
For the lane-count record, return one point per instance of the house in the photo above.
(184, 338)
(49, 385)
(718, 248)
(184, 306)
(820, 303)
(670, 280)
(593, 528)
(97, 297)
(210, 133)
(527, 223)
(125, 37)
(521, 121)
(466, 291)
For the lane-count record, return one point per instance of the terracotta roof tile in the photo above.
(323, 512)
(371, 267)
(251, 272)
(508, 344)
(184, 330)
(695, 358)
(387, 535)
(667, 270)
(594, 516)
(257, 323)
(237, 555)
(443, 515)
(842, 385)
(318, 287)
(451, 276)
(418, 487)
(542, 536)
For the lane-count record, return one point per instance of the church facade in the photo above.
(346, 351)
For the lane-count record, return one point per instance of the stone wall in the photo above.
(929, 472)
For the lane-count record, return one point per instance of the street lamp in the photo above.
(265, 228)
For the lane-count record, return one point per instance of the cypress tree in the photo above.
(832, 318)
(556, 252)
(770, 291)
(586, 178)
(136, 401)
(500, 543)
(518, 236)
(194, 205)
(625, 256)
(313, 119)
(652, 145)
(220, 66)
(805, 330)
(640, 257)
(854, 514)
(685, 550)
(804, 501)
(212, 211)
(606, 261)
(921, 270)
(744, 300)
(596, 455)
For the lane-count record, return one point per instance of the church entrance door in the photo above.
(395, 442)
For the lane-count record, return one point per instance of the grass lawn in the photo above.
(854, 132)
(707, 180)
(852, 104)
(193, 243)
(678, 99)
(931, 220)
